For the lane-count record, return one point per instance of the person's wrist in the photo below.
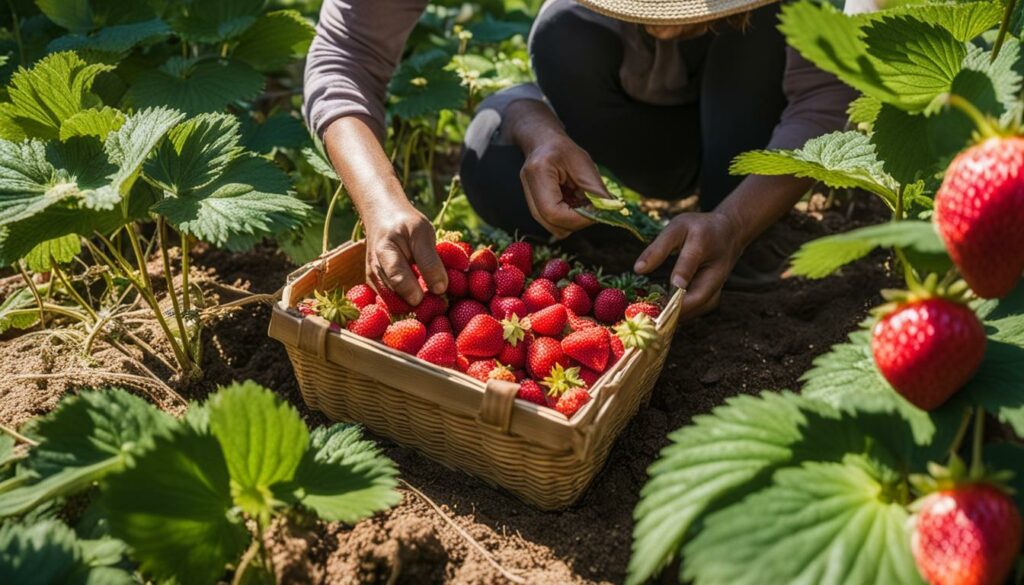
(735, 228)
(532, 124)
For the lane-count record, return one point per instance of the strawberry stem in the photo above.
(982, 123)
(961, 432)
(1004, 26)
(977, 466)
(453, 188)
(913, 283)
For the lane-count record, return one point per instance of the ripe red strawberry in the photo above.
(439, 324)
(483, 259)
(531, 391)
(462, 311)
(481, 370)
(465, 247)
(577, 323)
(439, 349)
(520, 255)
(514, 355)
(542, 354)
(482, 337)
(927, 349)
(390, 300)
(361, 295)
(576, 299)
(572, 401)
(508, 281)
(452, 255)
(373, 321)
(481, 285)
(407, 335)
(590, 283)
(647, 308)
(520, 374)
(555, 269)
(979, 211)
(539, 294)
(431, 306)
(458, 286)
(617, 349)
(461, 363)
(610, 305)
(549, 321)
(590, 347)
(589, 377)
(967, 535)
(502, 307)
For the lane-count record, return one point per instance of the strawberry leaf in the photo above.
(263, 440)
(280, 130)
(275, 40)
(16, 311)
(49, 552)
(199, 21)
(964, 20)
(113, 42)
(999, 384)
(62, 249)
(174, 509)
(423, 86)
(826, 523)
(95, 123)
(86, 438)
(195, 154)
(1008, 457)
(195, 86)
(343, 477)
(821, 257)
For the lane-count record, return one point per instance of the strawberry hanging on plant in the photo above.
(927, 343)
(979, 209)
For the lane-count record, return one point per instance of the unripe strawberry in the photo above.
(967, 535)
(979, 211)
(928, 349)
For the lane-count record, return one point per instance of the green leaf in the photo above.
(823, 523)
(914, 146)
(174, 509)
(721, 458)
(114, 41)
(344, 477)
(918, 61)
(248, 201)
(86, 438)
(820, 258)
(992, 86)
(94, 123)
(48, 552)
(833, 42)
(1008, 457)
(489, 30)
(195, 87)
(62, 249)
(839, 159)
(200, 21)
(864, 110)
(280, 130)
(55, 89)
(275, 40)
(424, 86)
(964, 20)
(318, 160)
(15, 313)
(196, 153)
(74, 15)
(131, 145)
(263, 439)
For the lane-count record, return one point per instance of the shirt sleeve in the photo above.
(357, 46)
(817, 103)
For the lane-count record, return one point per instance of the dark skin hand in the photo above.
(397, 234)
(708, 244)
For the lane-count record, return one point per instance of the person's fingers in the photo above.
(398, 275)
(704, 290)
(547, 204)
(584, 173)
(424, 253)
(668, 242)
(692, 256)
(534, 183)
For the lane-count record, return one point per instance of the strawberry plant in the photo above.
(182, 498)
(842, 483)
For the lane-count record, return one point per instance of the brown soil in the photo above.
(755, 340)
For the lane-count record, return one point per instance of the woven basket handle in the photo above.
(327, 271)
(496, 404)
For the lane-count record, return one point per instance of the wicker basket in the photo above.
(531, 451)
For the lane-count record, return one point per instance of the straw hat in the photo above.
(667, 12)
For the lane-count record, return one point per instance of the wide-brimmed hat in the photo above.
(667, 12)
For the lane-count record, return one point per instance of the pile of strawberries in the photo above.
(549, 327)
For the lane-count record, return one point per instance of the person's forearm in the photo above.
(530, 123)
(363, 166)
(760, 201)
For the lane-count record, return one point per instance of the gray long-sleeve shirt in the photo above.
(359, 43)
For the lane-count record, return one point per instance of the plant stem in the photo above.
(35, 293)
(977, 465)
(56, 309)
(961, 432)
(16, 25)
(161, 234)
(984, 127)
(18, 436)
(432, 145)
(452, 189)
(410, 145)
(186, 296)
(913, 283)
(898, 212)
(56, 271)
(327, 219)
(1004, 26)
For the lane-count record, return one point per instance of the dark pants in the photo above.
(664, 152)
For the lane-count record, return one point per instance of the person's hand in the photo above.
(708, 247)
(396, 237)
(549, 167)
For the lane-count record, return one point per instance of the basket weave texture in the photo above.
(531, 451)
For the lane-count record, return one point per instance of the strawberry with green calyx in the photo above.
(335, 307)
(531, 391)
(927, 342)
(967, 529)
(561, 379)
(483, 337)
(514, 330)
(638, 331)
(979, 209)
(501, 372)
(572, 401)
